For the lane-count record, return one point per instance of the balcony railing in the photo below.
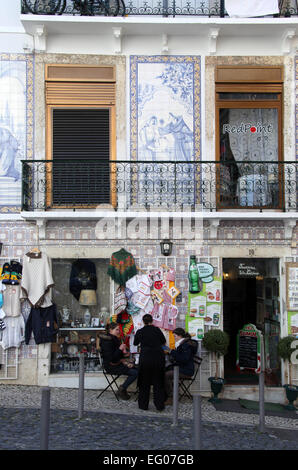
(207, 8)
(168, 186)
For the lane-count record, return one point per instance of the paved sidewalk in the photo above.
(108, 424)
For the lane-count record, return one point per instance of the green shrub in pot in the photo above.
(217, 342)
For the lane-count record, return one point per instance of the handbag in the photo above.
(120, 301)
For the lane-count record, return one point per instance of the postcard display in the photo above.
(292, 297)
(204, 307)
(152, 292)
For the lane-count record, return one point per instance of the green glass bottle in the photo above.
(193, 275)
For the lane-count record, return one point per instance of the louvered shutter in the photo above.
(81, 154)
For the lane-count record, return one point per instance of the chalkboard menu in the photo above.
(248, 348)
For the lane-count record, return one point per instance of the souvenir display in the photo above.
(12, 325)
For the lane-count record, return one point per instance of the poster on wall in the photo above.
(292, 286)
(293, 323)
(195, 327)
(207, 304)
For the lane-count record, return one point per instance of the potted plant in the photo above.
(217, 342)
(284, 351)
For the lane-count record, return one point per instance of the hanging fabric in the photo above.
(37, 280)
(251, 8)
(122, 266)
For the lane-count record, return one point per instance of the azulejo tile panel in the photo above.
(16, 125)
(165, 108)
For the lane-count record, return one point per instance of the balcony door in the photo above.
(249, 142)
(81, 136)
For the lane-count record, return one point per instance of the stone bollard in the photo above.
(175, 395)
(197, 421)
(45, 418)
(81, 387)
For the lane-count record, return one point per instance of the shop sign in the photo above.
(249, 270)
(249, 348)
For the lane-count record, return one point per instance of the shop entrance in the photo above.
(251, 295)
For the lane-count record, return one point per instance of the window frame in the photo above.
(231, 85)
(49, 154)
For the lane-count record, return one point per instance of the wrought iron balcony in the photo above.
(206, 8)
(167, 186)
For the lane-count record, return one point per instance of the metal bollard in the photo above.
(262, 390)
(197, 421)
(45, 418)
(175, 395)
(81, 387)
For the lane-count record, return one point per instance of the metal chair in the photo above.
(111, 379)
(186, 382)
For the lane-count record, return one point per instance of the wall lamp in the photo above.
(166, 247)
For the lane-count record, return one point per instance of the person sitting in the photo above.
(113, 354)
(182, 355)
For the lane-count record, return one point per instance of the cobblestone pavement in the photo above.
(108, 424)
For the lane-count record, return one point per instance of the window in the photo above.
(249, 137)
(80, 135)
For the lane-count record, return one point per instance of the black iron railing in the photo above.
(169, 186)
(207, 8)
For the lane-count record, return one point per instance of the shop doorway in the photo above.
(251, 295)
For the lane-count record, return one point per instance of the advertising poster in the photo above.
(293, 323)
(207, 304)
(195, 327)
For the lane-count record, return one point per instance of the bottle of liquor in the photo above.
(193, 275)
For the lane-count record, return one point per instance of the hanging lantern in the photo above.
(166, 247)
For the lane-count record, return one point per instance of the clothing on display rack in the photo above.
(43, 322)
(11, 300)
(37, 279)
(82, 276)
(11, 273)
(13, 334)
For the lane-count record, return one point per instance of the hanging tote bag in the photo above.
(120, 301)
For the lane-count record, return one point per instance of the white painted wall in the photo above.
(144, 35)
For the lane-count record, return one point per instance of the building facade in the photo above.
(122, 126)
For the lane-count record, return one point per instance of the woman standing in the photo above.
(152, 364)
(113, 353)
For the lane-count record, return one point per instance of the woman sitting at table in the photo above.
(113, 354)
(182, 355)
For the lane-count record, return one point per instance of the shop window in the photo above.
(80, 135)
(249, 137)
(82, 297)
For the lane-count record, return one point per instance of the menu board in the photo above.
(248, 348)
(292, 286)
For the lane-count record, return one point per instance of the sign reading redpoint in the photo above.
(243, 128)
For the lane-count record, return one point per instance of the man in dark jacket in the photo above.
(151, 365)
